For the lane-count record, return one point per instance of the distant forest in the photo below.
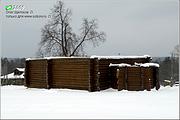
(169, 67)
(9, 64)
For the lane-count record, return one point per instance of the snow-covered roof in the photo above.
(135, 65)
(92, 57)
(147, 64)
(12, 76)
(27, 59)
(20, 69)
(167, 81)
(48, 58)
(120, 57)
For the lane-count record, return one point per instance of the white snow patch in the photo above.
(48, 58)
(135, 65)
(21, 69)
(12, 76)
(18, 102)
(147, 64)
(119, 65)
(92, 57)
(119, 57)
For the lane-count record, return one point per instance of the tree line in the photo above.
(9, 64)
(169, 68)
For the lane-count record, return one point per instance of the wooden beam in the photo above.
(142, 78)
(26, 82)
(126, 78)
(97, 74)
(48, 73)
(89, 76)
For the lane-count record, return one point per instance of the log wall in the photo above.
(90, 74)
(36, 74)
(70, 73)
(135, 78)
(103, 68)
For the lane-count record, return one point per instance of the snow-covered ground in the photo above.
(20, 102)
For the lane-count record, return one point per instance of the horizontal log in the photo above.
(37, 80)
(37, 69)
(37, 77)
(71, 87)
(70, 72)
(70, 81)
(37, 66)
(37, 73)
(70, 66)
(36, 86)
(76, 75)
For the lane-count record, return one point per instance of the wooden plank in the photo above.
(27, 73)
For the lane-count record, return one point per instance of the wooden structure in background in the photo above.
(90, 74)
(134, 78)
(14, 78)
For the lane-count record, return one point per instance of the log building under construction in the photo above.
(93, 74)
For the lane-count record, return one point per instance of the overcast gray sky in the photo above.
(133, 27)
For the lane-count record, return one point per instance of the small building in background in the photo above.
(19, 71)
(14, 78)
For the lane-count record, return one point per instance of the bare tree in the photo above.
(176, 51)
(58, 39)
(174, 60)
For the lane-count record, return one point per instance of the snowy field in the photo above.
(22, 103)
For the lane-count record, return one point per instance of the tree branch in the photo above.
(81, 41)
